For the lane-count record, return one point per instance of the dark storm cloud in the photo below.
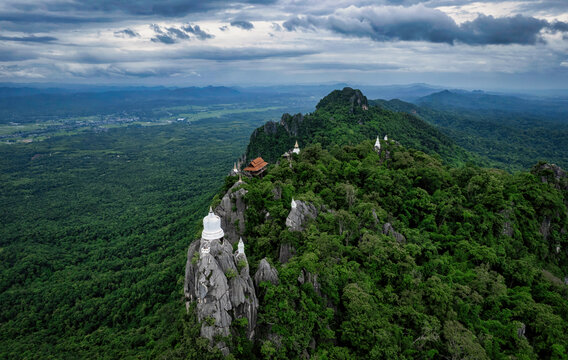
(197, 31)
(7, 55)
(245, 25)
(169, 35)
(217, 54)
(167, 8)
(418, 23)
(212, 53)
(33, 39)
(126, 33)
(177, 33)
(27, 18)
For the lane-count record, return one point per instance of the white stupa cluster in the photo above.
(212, 231)
(378, 143)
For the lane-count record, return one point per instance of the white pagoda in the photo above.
(296, 148)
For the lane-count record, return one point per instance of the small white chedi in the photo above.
(241, 247)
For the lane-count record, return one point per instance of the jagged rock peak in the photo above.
(301, 212)
(266, 272)
(552, 174)
(292, 123)
(353, 98)
(231, 210)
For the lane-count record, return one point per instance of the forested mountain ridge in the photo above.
(506, 132)
(345, 117)
(394, 254)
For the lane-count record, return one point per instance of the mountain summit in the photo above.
(344, 117)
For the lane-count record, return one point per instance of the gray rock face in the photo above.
(308, 277)
(507, 225)
(222, 292)
(545, 227)
(389, 230)
(231, 210)
(521, 331)
(292, 123)
(243, 295)
(299, 217)
(270, 128)
(286, 252)
(553, 174)
(265, 272)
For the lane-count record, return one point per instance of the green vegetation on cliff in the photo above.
(478, 275)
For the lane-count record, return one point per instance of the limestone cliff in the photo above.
(300, 214)
(219, 282)
(231, 210)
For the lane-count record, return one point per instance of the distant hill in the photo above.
(510, 133)
(552, 109)
(344, 117)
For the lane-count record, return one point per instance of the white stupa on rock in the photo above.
(293, 204)
(377, 144)
(212, 227)
(386, 138)
(296, 148)
(241, 247)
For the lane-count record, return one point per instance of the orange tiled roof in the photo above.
(256, 165)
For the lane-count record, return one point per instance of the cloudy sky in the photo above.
(485, 44)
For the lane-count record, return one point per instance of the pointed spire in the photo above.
(296, 148)
(293, 204)
(240, 178)
(241, 247)
(386, 138)
(378, 144)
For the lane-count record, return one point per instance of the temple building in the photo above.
(296, 148)
(256, 167)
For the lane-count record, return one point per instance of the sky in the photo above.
(487, 44)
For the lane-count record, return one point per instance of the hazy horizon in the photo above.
(489, 45)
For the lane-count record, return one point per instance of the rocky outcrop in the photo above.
(286, 252)
(300, 214)
(389, 230)
(265, 272)
(551, 174)
(271, 127)
(221, 285)
(507, 224)
(308, 277)
(231, 210)
(292, 123)
(243, 295)
(545, 227)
